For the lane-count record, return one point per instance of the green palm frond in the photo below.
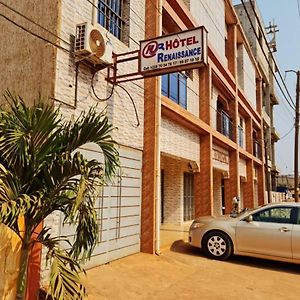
(65, 275)
(43, 171)
(91, 127)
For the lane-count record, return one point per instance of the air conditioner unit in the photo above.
(92, 45)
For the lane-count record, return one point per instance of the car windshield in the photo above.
(243, 211)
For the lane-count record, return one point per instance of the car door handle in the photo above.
(284, 229)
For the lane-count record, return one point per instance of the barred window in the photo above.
(110, 13)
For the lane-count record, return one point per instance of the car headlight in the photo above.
(196, 225)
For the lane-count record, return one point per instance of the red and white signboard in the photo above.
(174, 52)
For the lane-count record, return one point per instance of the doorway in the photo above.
(188, 197)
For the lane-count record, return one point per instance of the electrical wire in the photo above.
(298, 3)
(290, 102)
(285, 135)
(95, 94)
(33, 22)
(153, 4)
(36, 35)
(267, 43)
(133, 104)
(70, 52)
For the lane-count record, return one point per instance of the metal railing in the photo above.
(225, 125)
(256, 149)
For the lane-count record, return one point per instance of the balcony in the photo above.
(275, 134)
(257, 149)
(224, 124)
(275, 169)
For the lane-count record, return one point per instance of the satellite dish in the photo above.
(97, 43)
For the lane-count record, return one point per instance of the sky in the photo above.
(286, 16)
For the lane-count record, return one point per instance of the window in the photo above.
(241, 133)
(174, 86)
(110, 16)
(275, 215)
(224, 123)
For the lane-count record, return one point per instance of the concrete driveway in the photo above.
(184, 273)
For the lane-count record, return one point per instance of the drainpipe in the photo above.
(157, 167)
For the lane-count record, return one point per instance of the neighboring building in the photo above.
(32, 67)
(286, 184)
(267, 69)
(199, 143)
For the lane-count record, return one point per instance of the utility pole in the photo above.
(296, 140)
(296, 146)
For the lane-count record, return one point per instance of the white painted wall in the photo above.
(246, 75)
(119, 107)
(211, 14)
(179, 141)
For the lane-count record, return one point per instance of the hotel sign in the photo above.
(174, 52)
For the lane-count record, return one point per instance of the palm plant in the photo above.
(43, 171)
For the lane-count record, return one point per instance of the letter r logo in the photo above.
(150, 49)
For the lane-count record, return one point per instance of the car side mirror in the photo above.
(249, 219)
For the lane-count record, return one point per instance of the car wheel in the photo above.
(217, 245)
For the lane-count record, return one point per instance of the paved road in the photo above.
(184, 273)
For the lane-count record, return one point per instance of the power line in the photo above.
(35, 34)
(122, 29)
(298, 3)
(38, 25)
(291, 105)
(267, 59)
(267, 43)
(285, 135)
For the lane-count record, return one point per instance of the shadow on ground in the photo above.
(182, 247)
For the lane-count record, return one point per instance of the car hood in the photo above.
(213, 218)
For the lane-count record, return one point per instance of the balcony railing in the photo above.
(225, 124)
(257, 149)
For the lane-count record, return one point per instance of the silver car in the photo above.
(271, 231)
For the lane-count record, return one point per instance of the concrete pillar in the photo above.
(152, 87)
(232, 49)
(261, 185)
(205, 82)
(249, 186)
(249, 135)
(203, 181)
(232, 184)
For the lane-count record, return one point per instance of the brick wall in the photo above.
(173, 190)
(217, 204)
(255, 193)
(178, 141)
